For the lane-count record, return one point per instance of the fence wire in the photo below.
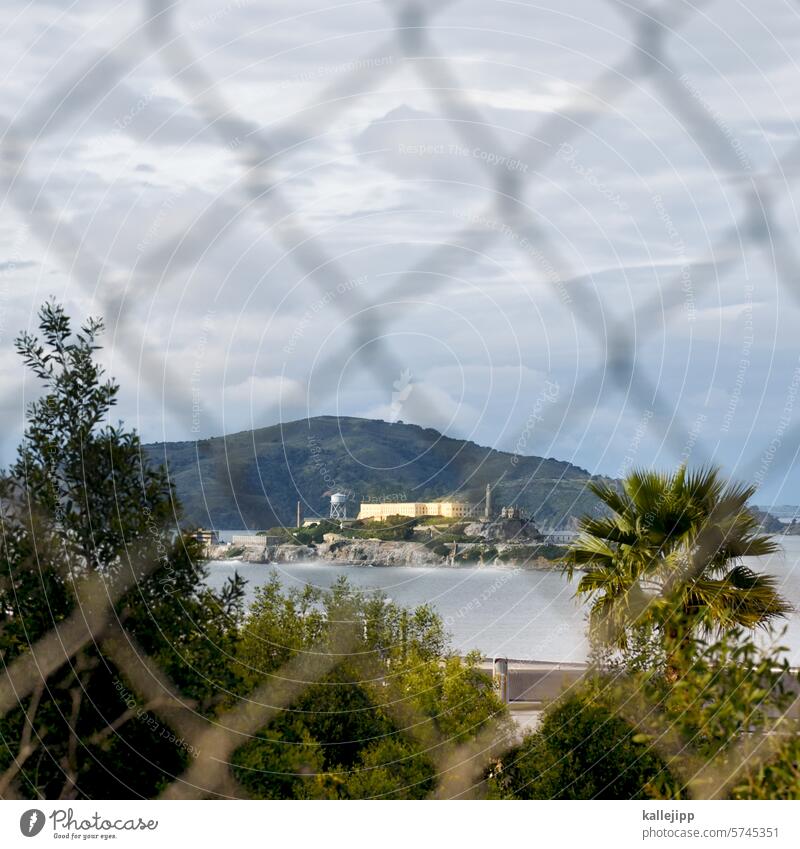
(160, 35)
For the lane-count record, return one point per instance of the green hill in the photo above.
(253, 479)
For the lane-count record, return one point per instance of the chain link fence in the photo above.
(405, 44)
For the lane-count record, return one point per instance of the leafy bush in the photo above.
(80, 504)
(344, 738)
(725, 707)
(550, 551)
(437, 520)
(582, 750)
(314, 536)
(391, 529)
(284, 534)
(523, 553)
(476, 553)
(453, 537)
(518, 554)
(686, 719)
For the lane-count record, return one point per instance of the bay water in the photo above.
(516, 613)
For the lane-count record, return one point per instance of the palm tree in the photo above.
(668, 556)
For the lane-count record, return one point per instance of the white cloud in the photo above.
(382, 176)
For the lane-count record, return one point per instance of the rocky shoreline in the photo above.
(367, 552)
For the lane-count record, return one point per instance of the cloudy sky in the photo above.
(565, 231)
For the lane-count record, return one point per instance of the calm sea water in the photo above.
(516, 613)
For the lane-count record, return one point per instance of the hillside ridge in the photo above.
(253, 478)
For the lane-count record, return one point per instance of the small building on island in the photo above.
(206, 537)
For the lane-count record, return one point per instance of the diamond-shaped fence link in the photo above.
(258, 192)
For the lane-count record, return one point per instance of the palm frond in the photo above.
(741, 597)
(646, 489)
(611, 528)
(704, 485)
(611, 497)
(613, 615)
(588, 550)
(677, 534)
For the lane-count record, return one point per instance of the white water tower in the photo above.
(339, 505)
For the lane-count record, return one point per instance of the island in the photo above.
(509, 539)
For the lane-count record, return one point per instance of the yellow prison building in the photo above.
(448, 509)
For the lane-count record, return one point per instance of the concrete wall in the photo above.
(537, 681)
